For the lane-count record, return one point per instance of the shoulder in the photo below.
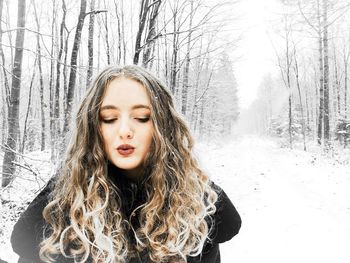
(226, 221)
(29, 229)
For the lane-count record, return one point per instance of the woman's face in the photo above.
(126, 126)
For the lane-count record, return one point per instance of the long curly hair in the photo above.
(84, 215)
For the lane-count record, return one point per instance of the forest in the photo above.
(50, 51)
(305, 100)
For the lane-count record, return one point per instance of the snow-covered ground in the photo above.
(295, 205)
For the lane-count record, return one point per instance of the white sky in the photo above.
(257, 56)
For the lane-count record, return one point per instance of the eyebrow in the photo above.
(137, 106)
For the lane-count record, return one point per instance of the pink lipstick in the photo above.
(125, 149)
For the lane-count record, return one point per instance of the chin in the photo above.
(127, 166)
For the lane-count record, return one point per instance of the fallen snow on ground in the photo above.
(295, 205)
(16, 197)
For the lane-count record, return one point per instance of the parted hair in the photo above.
(84, 215)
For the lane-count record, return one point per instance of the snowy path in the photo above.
(295, 206)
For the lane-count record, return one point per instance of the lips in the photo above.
(125, 149)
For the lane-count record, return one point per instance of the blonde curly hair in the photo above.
(85, 215)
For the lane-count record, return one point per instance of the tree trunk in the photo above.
(6, 94)
(187, 67)
(166, 56)
(123, 32)
(56, 92)
(321, 93)
(98, 40)
(90, 44)
(337, 85)
(13, 112)
(108, 53)
(51, 85)
(174, 60)
(73, 70)
(7, 86)
(41, 83)
(199, 68)
(307, 109)
(29, 106)
(119, 25)
(142, 22)
(201, 121)
(65, 70)
(290, 119)
(149, 44)
(326, 74)
(315, 101)
(296, 70)
(346, 63)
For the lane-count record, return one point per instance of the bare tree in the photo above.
(142, 22)
(297, 78)
(29, 109)
(346, 56)
(149, 43)
(2, 56)
(53, 130)
(6, 96)
(285, 66)
(13, 111)
(321, 29)
(73, 69)
(185, 86)
(90, 44)
(41, 81)
(326, 73)
(337, 83)
(147, 8)
(174, 69)
(108, 52)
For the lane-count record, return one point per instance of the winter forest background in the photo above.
(50, 51)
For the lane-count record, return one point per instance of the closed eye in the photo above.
(109, 120)
(143, 119)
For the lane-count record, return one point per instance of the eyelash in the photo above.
(108, 121)
(142, 120)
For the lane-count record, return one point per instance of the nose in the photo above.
(125, 130)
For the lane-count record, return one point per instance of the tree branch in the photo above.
(95, 12)
(24, 28)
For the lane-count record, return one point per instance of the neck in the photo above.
(134, 175)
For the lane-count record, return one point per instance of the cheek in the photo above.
(150, 135)
(147, 137)
(106, 137)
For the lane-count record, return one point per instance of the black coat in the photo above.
(28, 231)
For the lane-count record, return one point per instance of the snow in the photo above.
(27, 184)
(295, 205)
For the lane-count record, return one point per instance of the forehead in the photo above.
(124, 91)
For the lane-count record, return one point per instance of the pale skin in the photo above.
(125, 119)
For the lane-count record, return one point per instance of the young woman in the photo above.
(129, 189)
